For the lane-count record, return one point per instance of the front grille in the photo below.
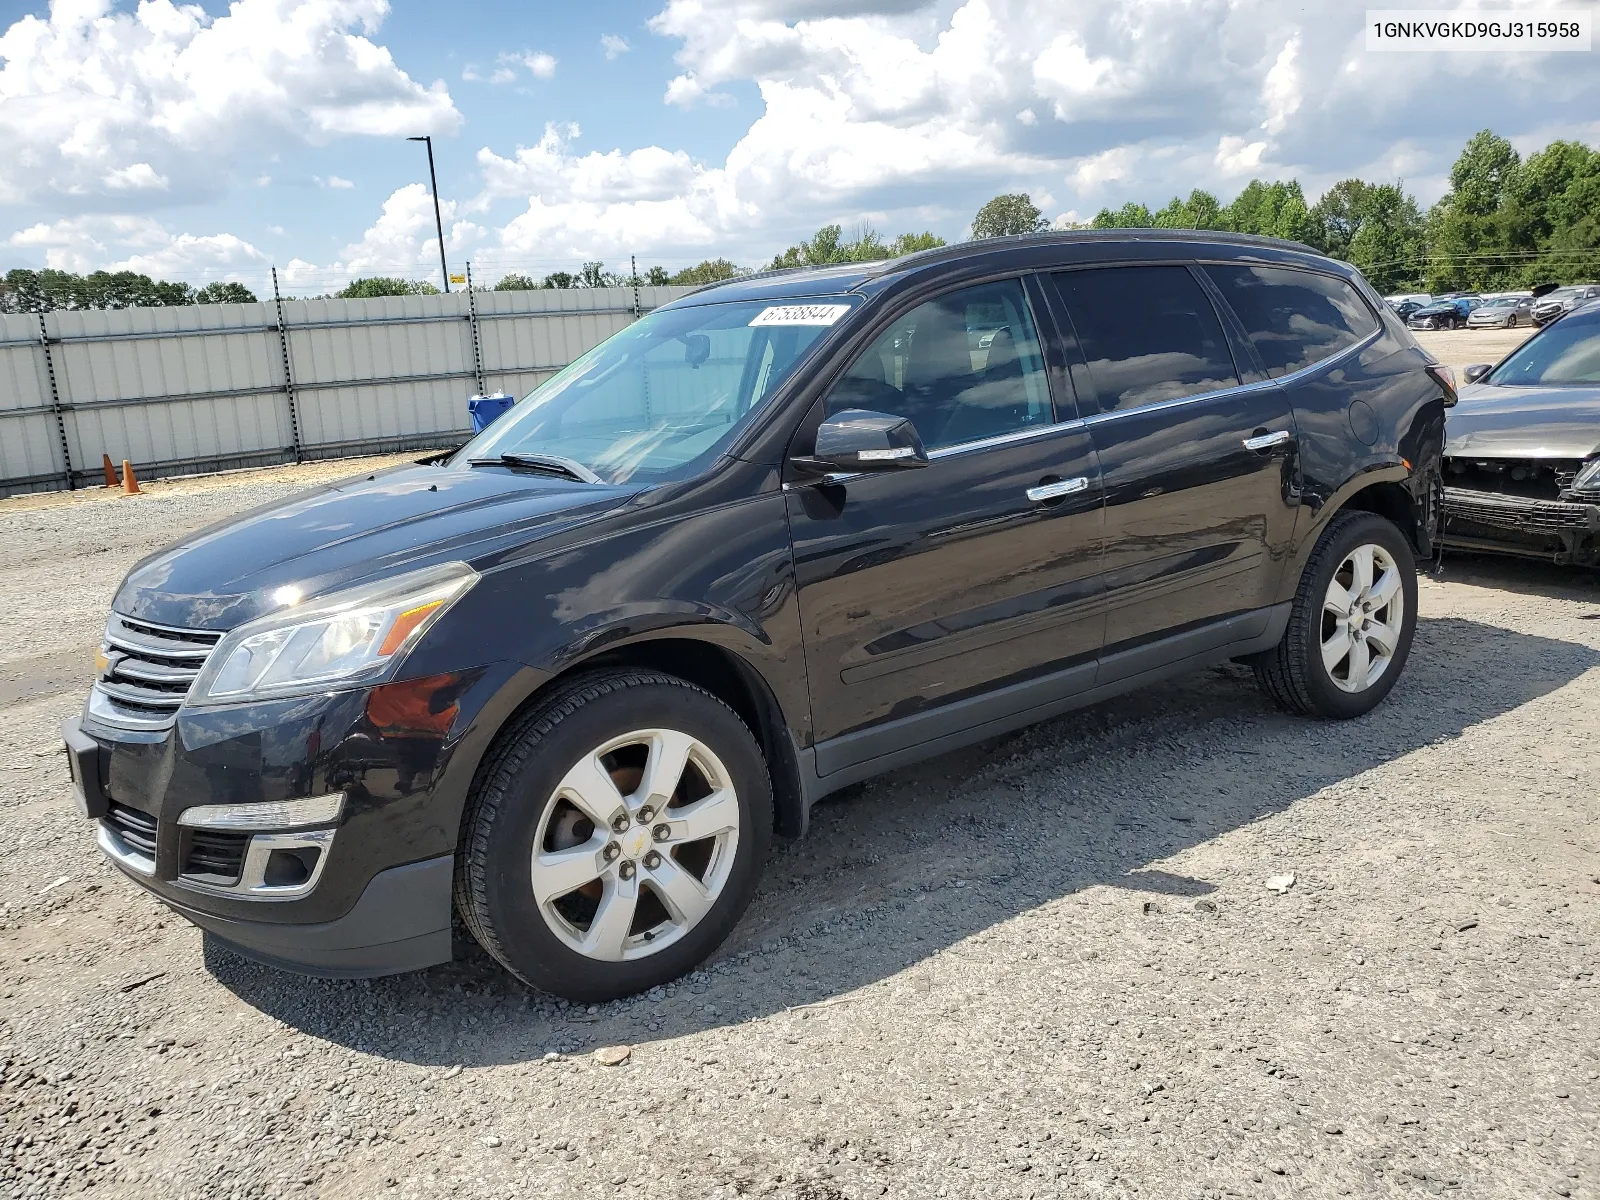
(149, 672)
(215, 858)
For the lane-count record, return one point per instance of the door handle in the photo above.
(1058, 489)
(1266, 441)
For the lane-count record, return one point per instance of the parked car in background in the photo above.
(1416, 299)
(1502, 312)
(1562, 301)
(1522, 457)
(1449, 313)
(1410, 304)
(778, 536)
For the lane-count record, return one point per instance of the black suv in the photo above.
(788, 532)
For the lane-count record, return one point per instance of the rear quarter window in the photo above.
(1294, 318)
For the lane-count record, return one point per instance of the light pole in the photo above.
(438, 224)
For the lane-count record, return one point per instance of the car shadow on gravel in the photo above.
(896, 870)
(1521, 576)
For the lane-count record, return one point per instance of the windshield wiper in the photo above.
(552, 464)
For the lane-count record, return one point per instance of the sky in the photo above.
(217, 141)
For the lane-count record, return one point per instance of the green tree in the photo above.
(709, 271)
(1012, 213)
(381, 285)
(1129, 216)
(1200, 211)
(224, 293)
(657, 277)
(517, 283)
(1389, 242)
(1274, 209)
(829, 245)
(910, 243)
(1468, 242)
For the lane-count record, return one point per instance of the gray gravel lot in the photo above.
(1046, 966)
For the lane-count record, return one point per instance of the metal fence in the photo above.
(212, 387)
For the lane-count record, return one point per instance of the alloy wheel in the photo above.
(636, 845)
(1363, 613)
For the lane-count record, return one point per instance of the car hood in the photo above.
(1524, 422)
(346, 533)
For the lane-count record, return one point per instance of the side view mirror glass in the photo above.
(858, 439)
(1476, 372)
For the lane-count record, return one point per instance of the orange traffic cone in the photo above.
(130, 481)
(111, 472)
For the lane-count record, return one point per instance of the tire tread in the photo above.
(513, 747)
(1282, 672)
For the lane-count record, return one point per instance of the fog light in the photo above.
(272, 814)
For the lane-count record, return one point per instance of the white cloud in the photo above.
(539, 64)
(613, 46)
(97, 99)
(135, 177)
(131, 243)
(334, 181)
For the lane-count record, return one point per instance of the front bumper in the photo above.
(375, 893)
(401, 923)
(1566, 531)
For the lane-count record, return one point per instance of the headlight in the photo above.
(349, 637)
(1588, 476)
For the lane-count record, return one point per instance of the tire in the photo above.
(672, 898)
(1296, 673)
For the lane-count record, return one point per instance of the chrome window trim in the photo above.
(1240, 389)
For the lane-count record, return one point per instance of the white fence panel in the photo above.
(30, 439)
(208, 387)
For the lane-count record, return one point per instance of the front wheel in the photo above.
(616, 836)
(1352, 623)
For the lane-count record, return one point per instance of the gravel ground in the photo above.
(1046, 966)
(1460, 348)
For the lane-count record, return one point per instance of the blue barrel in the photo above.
(485, 410)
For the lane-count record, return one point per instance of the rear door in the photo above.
(928, 589)
(1196, 459)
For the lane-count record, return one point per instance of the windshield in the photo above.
(659, 400)
(1502, 303)
(1567, 352)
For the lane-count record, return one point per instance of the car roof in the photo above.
(1092, 243)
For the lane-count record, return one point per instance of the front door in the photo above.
(1197, 465)
(923, 588)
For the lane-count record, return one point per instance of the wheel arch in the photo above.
(708, 664)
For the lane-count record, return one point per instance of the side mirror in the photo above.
(858, 439)
(1476, 372)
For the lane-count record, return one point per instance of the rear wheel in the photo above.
(1353, 620)
(616, 837)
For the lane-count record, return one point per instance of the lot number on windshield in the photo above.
(801, 314)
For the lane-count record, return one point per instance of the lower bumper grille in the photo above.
(215, 858)
(1513, 512)
(136, 829)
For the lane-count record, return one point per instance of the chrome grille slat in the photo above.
(150, 670)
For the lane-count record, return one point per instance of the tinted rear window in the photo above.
(1148, 334)
(1294, 318)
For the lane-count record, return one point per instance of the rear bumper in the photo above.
(401, 923)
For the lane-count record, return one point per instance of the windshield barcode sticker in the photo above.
(801, 314)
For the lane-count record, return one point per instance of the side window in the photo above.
(1294, 318)
(962, 367)
(1148, 334)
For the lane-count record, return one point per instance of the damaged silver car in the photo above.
(1522, 448)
